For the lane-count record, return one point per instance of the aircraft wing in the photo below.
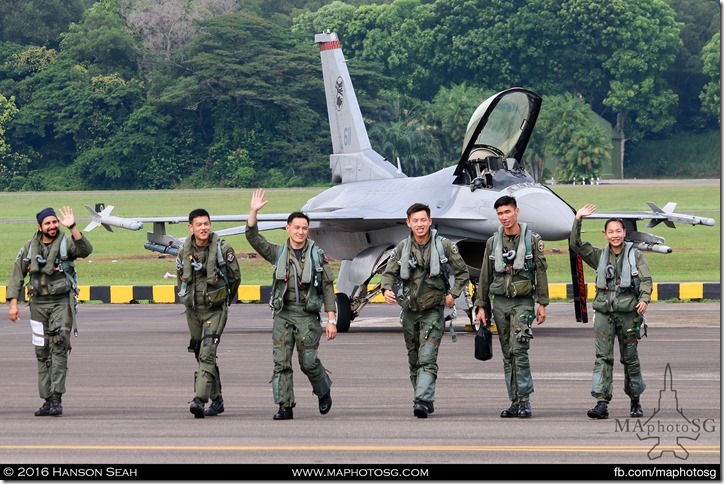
(656, 216)
(648, 241)
(352, 219)
(262, 226)
(361, 218)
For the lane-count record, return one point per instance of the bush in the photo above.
(684, 155)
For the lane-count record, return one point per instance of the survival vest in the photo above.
(520, 261)
(438, 265)
(515, 270)
(617, 292)
(427, 297)
(215, 271)
(606, 274)
(311, 274)
(61, 264)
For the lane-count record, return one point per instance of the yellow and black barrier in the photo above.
(166, 294)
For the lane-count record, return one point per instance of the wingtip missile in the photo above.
(107, 220)
(671, 216)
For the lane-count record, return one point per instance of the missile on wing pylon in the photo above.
(163, 249)
(671, 216)
(107, 220)
(661, 249)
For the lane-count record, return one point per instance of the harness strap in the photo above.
(310, 274)
(67, 266)
(520, 261)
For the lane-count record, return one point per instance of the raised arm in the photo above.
(257, 203)
(585, 211)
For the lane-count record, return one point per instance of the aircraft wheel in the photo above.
(344, 312)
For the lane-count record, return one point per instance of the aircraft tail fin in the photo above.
(353, 158)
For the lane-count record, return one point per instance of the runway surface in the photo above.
(131, 381)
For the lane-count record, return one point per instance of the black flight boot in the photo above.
(216, 407)
(524, 410)
(325, 403)
(511, 411)
(600, 411)
(56, 409)
(197, 408)
(44, 411)
(421, 409)
(284, 413)
(636, 410)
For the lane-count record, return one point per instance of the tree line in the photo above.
(140, 94)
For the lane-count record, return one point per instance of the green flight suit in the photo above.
(296, 304)
(514, 312)
(615, 317)
(52, 301)
(206, 319)
(422, 298)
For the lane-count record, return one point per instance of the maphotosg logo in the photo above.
(668, 429)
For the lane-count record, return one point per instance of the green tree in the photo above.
(711, 60)
(571, 138)
(449, 113)
(402, 133)
(30, 60)
(70, 109)
(270, 87)
(13, 165)
(38, 22)
(335, 17)
(102, 40)
(144, 153)
(700, 21)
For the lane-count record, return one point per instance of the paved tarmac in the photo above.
(131, 380)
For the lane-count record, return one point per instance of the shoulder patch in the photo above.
(230, 256)
(393, 254)
(541, 246)
(454, 248)
(20, 253)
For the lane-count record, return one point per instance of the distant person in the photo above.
(208, 278)
(513, 278)
(53, 297)
(303, 285)
(420, 264)
(623, 292)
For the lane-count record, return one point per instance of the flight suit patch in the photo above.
(541, 246)
(230, 256)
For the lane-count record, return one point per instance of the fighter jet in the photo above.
(362, 217)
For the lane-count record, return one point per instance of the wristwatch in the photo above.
(332, 321)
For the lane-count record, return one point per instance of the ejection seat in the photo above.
(482, 162)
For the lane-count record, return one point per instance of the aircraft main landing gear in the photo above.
(344, 312)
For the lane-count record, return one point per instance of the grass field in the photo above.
(120, 259)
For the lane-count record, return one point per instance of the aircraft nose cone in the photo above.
(545, 213)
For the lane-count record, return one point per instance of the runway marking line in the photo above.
(693, 449)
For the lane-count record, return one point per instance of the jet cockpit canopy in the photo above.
(496, 138)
